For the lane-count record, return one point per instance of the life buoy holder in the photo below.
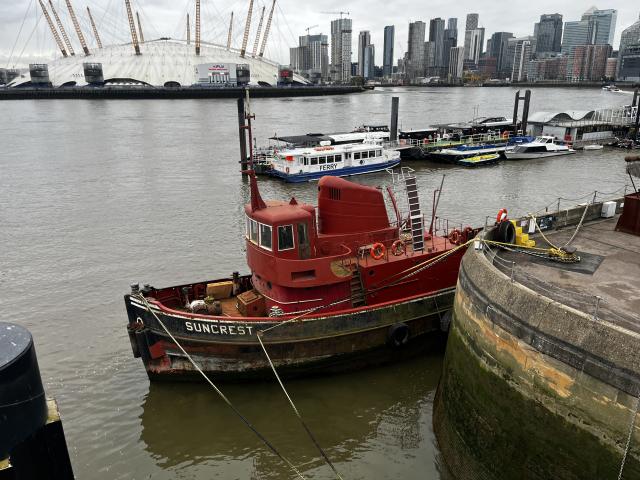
(505, 135)
(455, 237)
(502, 215)
(377, 251)
(397, 248)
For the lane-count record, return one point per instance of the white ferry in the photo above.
(541, 147)
(312, 163)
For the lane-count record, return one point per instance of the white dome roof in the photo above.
(161, 61)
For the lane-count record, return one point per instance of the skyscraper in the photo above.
(429, 58)
(415, 53)
(369, 62)
(436, 35)
(519, 55)
(472, 21)
(499, 47)
(548, 33)
(341, 50)
(311, 57)
(581, 32)
(387, 54)
(605, 21)
(629, 54)
(456, 62)
(364, 40)
(473, 44)
(450, 41)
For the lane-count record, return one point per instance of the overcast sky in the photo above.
(168, 17)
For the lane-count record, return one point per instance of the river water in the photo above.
(95, 195)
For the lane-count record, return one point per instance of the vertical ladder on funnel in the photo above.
(417, 227)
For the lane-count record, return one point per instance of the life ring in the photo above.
(455, 237)
(377, 251)
(361, 162)
(397, 248)
(505, 135)
(502, 215)
(287, 170)
(398, 335)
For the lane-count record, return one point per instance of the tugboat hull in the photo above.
(228, 349)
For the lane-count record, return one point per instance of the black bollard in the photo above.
(393, 135)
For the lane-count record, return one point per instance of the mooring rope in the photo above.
(626, 450)
(295, 410)
(222, 395)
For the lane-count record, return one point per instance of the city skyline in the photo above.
(165, 19)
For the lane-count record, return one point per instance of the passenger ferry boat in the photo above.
(332, 287)
(312, 163)
(541, 147)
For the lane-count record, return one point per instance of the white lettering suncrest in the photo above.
(216, 329)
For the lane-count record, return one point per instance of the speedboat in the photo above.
(455, 155)
(479, 160)
(541, 147)
(331, 287)
(593, 146)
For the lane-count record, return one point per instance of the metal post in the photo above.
(393, 136)
(513, 270)
(242, 134)
(525, 111)
(558, 210)
(598, 298)
(516, 105)
(635, 97)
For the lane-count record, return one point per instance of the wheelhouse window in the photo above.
(253, 230)
(356, 155)
(285, 237)
(372, 154)
(265, 236)
(314, 160)
(365, 154)
(322, 160)
(378, 153)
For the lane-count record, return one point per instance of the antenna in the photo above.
(95, 30)
(255, 45)
(247, 27)
(53, 29)
(62, 30)
(140, 27)
(188, 30)
(266, 30)
(132, 27)
(78, 29)
(230, 31)
(197, 27)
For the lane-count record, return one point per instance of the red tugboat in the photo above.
(333, 287)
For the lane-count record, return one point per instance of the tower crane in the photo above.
(336, 13)
(309, 28)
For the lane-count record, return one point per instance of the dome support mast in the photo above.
(188, 30)
(53, 29)
(140, 28)
(197, 27)
(95, 29)
(247, 27)
(132, 27)
(74, 19)
(62, 30)
(230, 31)
(266, 30)
(255, 45)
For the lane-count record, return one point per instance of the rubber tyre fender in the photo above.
(506, 232)
(398, 335)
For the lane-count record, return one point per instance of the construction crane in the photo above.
(197, 27)
(53, 29)
(336, 13)
(95, 30)
(266, 30)
(140, 27)
(132, 27)
(188, 30)
(72, 14)
(230, 31)
(247, 27)
(309, 28)
(62, 30)
(255, 45)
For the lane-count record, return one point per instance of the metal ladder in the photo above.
(358, 298)
(417, 227)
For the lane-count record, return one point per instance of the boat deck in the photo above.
(609, 269)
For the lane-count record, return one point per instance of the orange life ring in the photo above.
(455, 236)
(505, 135)
(397, 248)
(502, 215)
(377, 251)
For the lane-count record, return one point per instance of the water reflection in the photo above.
(352, 415)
